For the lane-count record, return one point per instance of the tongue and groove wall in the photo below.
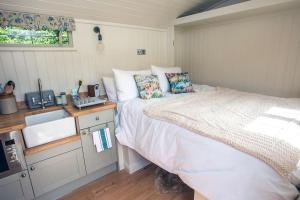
(60, 69)
(257, 54)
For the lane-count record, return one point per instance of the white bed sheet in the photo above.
(214, 169)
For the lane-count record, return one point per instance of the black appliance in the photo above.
(11, 153)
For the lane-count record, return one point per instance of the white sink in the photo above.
(47, 127)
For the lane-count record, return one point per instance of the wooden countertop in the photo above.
(16, 121)
(75, 112)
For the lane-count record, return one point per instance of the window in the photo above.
(17, 36)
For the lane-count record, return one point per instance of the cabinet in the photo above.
(89, 124)
(54, 172)
(16, 187)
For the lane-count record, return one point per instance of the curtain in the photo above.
(36, 21)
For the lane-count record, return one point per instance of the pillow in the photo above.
(160, 72)
(125, 84)
(110, 88)
(148, 86)
(180, 82)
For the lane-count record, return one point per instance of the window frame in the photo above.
(70, 45)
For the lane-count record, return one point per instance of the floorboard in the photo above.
(123, 186)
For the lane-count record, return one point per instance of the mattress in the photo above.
(212, 168)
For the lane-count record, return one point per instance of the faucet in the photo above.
(42, 101)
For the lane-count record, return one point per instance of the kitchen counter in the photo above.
(16, 121)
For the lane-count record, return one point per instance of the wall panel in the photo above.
(60, 70)
(257, 54)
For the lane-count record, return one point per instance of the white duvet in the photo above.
(196, 159)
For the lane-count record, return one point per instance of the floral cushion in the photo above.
(180, 82)
(148, 86)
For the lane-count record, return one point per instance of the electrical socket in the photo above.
(141, 52)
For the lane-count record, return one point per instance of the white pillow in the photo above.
(125, 84)
(110, 88)
(160, 72)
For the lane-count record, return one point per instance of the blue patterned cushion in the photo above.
(180, 82)
(148, 86)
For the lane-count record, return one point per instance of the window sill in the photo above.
(2, 48)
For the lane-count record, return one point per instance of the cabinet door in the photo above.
(16, 187)
(94, 160)
(54, 172)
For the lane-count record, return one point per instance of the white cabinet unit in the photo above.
(16, 187)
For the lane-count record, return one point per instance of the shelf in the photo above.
(24, 48)
(248, 8)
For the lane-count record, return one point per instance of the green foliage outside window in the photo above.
(18, 36)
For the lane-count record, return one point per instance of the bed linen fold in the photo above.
(265, 127)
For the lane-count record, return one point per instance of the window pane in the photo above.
(19, 36)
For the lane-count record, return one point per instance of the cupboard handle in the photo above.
(32, 168)
(97, 118)
(23, 175)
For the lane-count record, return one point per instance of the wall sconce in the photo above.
(100, 45)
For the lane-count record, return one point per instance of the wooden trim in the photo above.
(236, 11)
(43, 147)
(36, 48)
(95, 22)
(12, 128)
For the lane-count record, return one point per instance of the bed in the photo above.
(213, 169)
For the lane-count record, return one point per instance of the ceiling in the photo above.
(151, 13)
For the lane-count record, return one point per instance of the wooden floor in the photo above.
(123, 186)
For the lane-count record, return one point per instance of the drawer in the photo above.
(96, 118)
(52, 152)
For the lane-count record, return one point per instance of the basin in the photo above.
(47, 127)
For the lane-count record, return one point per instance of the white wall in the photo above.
(258, 54)
(60, 70)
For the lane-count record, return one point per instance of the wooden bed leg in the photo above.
(198, 196)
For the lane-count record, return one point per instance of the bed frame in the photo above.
(134, 162)
(198, 196)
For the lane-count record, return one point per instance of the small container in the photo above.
(58, 100)
(64, 98)
(8, 104)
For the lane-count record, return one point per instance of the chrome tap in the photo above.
(42, 101)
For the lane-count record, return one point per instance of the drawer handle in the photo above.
(32, 168)
(89, 131)
(97, 118)
(23, 175)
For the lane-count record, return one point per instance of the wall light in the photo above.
(100, 45)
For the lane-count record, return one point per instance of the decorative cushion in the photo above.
(180, 82)
(125, 84)
(161, 74)
(110, 88)
(148, 86)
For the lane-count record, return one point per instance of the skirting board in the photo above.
(198, 196)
